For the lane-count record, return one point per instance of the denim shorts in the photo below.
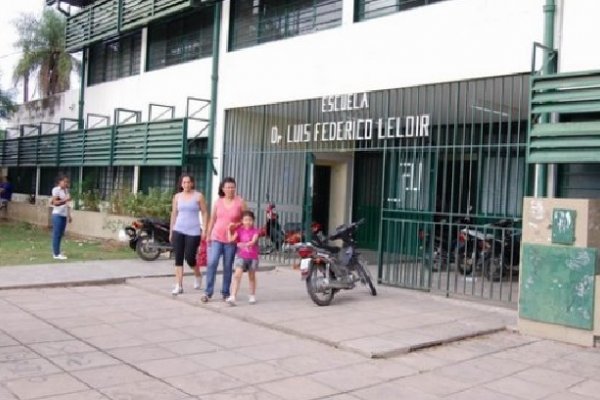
(245, 264)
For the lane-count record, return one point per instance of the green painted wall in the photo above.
(557, 285)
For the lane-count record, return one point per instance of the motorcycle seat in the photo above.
(330, 249)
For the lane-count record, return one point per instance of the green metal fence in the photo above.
(419, 161)
(146, 143)
(574, 135)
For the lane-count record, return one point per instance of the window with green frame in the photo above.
(180, 40)
(115, 59)
(259, 21)
(367, 9)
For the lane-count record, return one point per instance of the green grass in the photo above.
(22, 243)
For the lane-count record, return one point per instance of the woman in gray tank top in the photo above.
(186, 231)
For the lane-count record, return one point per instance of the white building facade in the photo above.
(409, 113)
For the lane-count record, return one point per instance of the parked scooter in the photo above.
(328, 269)
(500, 256)
(439, 242)
(493, 250)
(274, 238)
(271, 234)
(149, 238)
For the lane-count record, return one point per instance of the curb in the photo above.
(104, 281)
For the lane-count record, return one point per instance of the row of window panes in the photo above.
(116, 59)
(260, 21)
(253, 22)
(173, 42)
(367, 9)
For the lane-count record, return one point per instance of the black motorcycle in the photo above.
(492, 250)
(149, 238)
(329, 269)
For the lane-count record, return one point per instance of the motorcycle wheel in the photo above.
(492, 269)
(312, 281)
(144, 252)
(366, 278)
(464, 264)
(265, 246)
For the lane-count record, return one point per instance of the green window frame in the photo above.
(180, 40)
(254, 22)
(115, 59)
(368, 9)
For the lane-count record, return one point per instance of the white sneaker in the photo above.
(59, 257)
(197, 282)
(251, 299)
(231, 301)
(177, 290)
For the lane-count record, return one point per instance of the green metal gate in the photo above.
(422, 161)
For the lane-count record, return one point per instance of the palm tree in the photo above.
(7, 106)
(42, 43)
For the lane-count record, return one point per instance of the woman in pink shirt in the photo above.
(227, 210)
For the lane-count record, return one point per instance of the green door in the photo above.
(308, 194)
(368, 176)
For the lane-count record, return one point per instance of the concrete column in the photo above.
(144, 51)
(38, 172)
(135, 187)
(347, 12)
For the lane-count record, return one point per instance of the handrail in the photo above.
(132, 113)
(54, 125)
(166, 108)
(204, 105)
(103, 118)
(33, 127)
(553, 57)
(63, 124)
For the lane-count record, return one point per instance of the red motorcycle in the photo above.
(274, 238)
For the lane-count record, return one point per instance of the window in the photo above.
(180, 40)
(259, 21)
(116, 59)
(367, 9)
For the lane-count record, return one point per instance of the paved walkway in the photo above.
(395, 321)
(136, 341)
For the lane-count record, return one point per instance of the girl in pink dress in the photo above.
(227, 209)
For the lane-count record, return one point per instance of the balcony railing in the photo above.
(147, 143)
(105, 19)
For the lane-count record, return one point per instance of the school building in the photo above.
(417, 115)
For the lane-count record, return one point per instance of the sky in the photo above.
(9, 11)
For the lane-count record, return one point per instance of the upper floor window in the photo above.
(367, 9)
(115, 59)
(180, 40)
(259, 21)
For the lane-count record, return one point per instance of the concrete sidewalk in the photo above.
(86, 272)
(117, 342)
(395, 321)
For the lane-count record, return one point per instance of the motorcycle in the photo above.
(500, 255)
(480, 250)
(271, 233)
(274, 238)
(149, 238)
(329, 269)
(446, 241)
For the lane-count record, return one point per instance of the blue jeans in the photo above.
(215, 251)
(59, 223)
